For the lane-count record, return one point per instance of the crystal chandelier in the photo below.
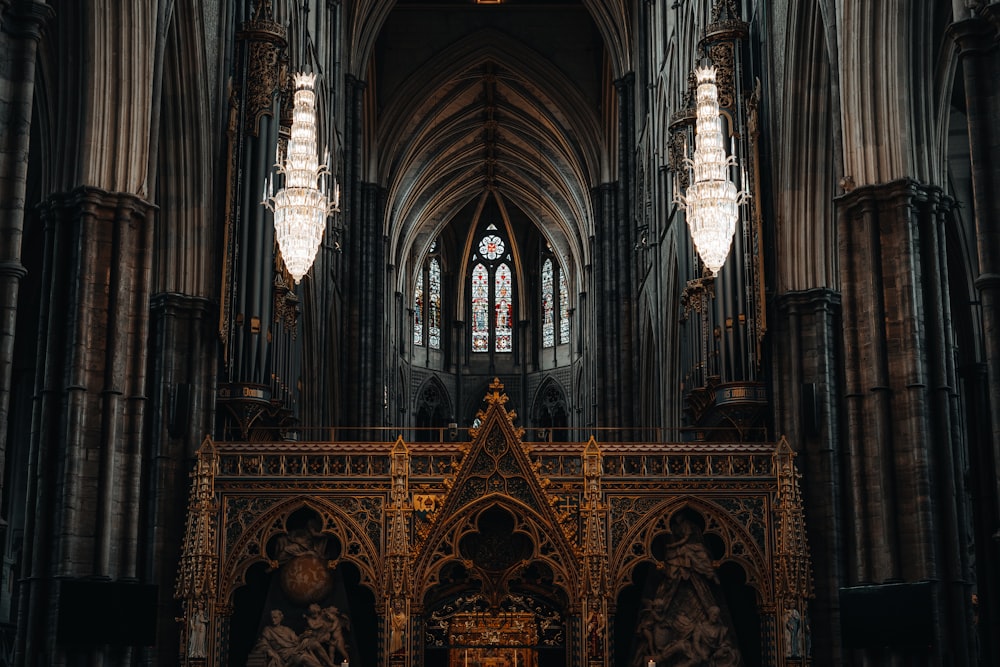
(712, 202)
(301, 207)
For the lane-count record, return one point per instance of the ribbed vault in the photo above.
(612, 18)
(489, 113)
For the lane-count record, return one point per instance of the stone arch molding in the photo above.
(527, 522)
(435, 166)
(433, 393)
(248, 547)
(497, 472)
(741, 547)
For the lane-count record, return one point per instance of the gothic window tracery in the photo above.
(492, 294)
(555, 304)
(427, 302)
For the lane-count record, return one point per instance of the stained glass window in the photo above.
(492, 294)
(434, 304)
(491, 247)
(548, 307)
(427, 310)
(504, 309)
(563, 309)
(418, 310)
(480, 309)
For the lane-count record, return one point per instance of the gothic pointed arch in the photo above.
(487, 84)
(432, 408)
(741, 542)
(497, 475)
(687, 587)
(550, 410)
(244, 545)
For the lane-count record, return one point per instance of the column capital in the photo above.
(901, 190)
(810, 300)
(977, 34)
(626, 81)
(26, 18)
(174, 303)
(94, 199)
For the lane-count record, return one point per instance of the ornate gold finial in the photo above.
(198, 570)
(495, 394)
(794, 567)
(197, 575)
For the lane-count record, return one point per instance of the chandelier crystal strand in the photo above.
(302, 206)
(712, 202)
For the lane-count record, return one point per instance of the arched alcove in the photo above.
(550, 412)
(687, 597)
(304, 587)
(495, 597)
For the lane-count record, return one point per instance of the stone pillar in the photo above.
(902, 523)
(183, 369)
(85, 463)
(22, 26)
(605, 394)
(807, 350)
(365, 351)
(978, 40)
(623, 270)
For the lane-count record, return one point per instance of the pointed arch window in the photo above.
(555, 304)
(492, 294)
(427, 302)
(563, 309)
(548, 305)
(504, 307)
(480, 309)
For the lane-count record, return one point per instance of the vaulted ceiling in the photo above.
(502, 100)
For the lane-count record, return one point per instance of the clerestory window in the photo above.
(492, 294)
(427, 302)
(555, 304)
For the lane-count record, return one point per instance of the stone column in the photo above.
(85, 463)
(978, 40)
(807, 351)
(902, 525)
(183, 369)
(22, 27)
(365, 351)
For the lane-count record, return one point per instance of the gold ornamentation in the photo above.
(729, 6)
(199, 559)
(723, 56)
(591, 512)
(286, 302)
(265, 42)
(753, 130)
(198, 569)
(677, 156)
(793, 565)
(697, 295)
